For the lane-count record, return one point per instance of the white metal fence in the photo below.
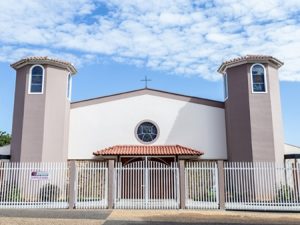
(146, 185)
(151, 185)
(201, 185)
(262, 186)
(33, 185)
(92, 185)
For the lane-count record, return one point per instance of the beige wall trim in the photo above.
(221, 182)
(73, 184)
(148, 91)
(111, 169)
(182, 187)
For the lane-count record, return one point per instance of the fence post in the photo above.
(72, 185)
(111, 167)
(182, 182)
(221, 182)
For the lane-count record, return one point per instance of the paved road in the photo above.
(143, 217)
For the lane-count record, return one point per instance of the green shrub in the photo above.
(49, 193)
(212, 195)
(10, 194)
(284, 194)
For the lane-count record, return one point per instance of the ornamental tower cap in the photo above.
(249, 59)
(44, 60)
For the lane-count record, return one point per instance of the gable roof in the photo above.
(148, 91)
(249, 59)
(147, 150)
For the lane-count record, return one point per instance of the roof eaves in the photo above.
(145, 91)
(44, 60)
(249, 59)
(157, 150)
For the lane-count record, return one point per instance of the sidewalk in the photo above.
(211, 216)
(93, 217)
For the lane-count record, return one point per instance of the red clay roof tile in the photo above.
(148, 150)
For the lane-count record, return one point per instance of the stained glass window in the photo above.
(258, 78)
(36, 79)
(69, 86)
(147, 132)
(225, 87)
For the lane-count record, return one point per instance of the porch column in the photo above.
(182, 182)
(221, 181)
(73, 185)
(110, 197)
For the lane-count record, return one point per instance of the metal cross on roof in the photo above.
(146, 81)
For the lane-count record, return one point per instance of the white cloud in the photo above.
(178, 36)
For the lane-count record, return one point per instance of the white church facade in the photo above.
(48, 127)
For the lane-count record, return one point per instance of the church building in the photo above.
(147, 123)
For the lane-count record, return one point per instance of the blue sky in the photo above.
(179, 44)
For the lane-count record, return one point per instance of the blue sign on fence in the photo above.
(39, 175)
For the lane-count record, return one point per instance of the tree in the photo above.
(4, 138)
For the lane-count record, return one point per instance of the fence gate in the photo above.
(146, 185)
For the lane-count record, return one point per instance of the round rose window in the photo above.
(147, 132)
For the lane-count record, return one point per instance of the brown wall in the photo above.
(276, 114)
(20, 89)
(41, 121)
(253, 120)
(261, 123)
(238, 128)
(56, 120)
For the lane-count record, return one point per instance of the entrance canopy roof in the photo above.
(147, 150)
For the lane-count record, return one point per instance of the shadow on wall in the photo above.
(200, 127)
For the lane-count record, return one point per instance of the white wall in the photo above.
(103, 125)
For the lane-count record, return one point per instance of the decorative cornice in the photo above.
(44, 60)
(249, 59)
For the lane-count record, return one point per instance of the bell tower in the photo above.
(253, 109)
(41, 110)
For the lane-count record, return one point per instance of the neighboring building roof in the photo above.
(147, 150)
(5, 150)
(149, 91)
(249, 59)
(291, 149)
(44, 60)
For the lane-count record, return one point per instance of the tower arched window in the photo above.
(36, 80)
(258, 78)
(69, 86)
(225, 86)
